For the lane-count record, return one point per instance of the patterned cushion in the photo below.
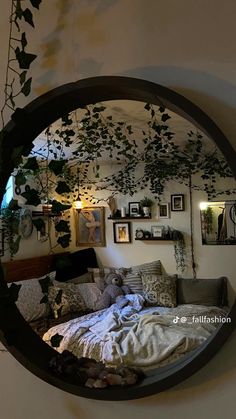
(133, 275)
(32, 298)
(90, 294)
(160, 290)
(65, 298)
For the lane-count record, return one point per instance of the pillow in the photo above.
(133, 275)
(134, 282)
(32, 299)
(72, 265)
(64, 299)
(82, 279)
(159, 290)
(90, 294)
(208, 292)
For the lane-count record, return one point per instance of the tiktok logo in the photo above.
(176, 319)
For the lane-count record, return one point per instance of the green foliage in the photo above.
(62, 226)
(14, 290)
(32, 197)
(39, 224)
(10, 223)
(179, 250)
(57, 166)
(56, 340)
(62, 188)
(58, 207)
(64, 241)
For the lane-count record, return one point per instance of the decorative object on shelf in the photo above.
(177, 202)
(163, 210)
(146, 204)
(112, 205)
(123, 212)
(90, 226)
(117, 214)
(122, 232)
(179, 250)
(139, 233)
(78, 204)
(26, 223)
(134, 209)
(147, 234)
(157, 231)
(1, 242)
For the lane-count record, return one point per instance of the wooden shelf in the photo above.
(45, 214)
(129, 218)
(155, 239)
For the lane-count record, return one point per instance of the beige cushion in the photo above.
(159, 290)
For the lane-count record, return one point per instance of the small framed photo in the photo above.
(90, 226)
(122, 232)
(1, 242)
(157, 231)
(177, 202)
(134, 209)
(164, 210)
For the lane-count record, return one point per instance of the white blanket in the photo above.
(133, 335)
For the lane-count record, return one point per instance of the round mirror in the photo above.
(114, 191)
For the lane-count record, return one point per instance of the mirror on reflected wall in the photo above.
(218, 222)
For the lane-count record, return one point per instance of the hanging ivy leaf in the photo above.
(62, 226)
(23, 77)
(13, 104)
(58, 207)
(165, 117)
(44, 284)
(56, 166)
(14, 290)
(18, 10)
(31, 164)
(35, 3)
(24, 59)
(23, 40)
(44, 300)
(26, 89)
(32, 197)
(20, 179)
(13, 205)
(39, 224)
(64, 241)
(62, 187)
(56, 340)
(27, 14)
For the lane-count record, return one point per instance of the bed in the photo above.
(134, 333)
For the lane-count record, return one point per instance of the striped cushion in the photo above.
(134, 282)
(150, 268)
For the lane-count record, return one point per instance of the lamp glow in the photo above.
(203, 206)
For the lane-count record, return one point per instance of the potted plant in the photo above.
(146, 204)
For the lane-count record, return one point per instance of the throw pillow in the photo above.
(64, 299)
(32, 301)
(159, 290)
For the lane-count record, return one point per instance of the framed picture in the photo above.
(1, 242)
(90, 226)
(134, 209)
(122, 232)
(157, 231)
(177, 202)
(164, 210)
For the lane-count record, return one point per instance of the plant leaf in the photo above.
(44, 299)
(44, 284)
(23, 41)
(64, 241)
(35, 3)
(28, 16)
(23, 77)
(20, 179)
(14, 290)
(26, 89)
(62, 226)
(32, 197)
(31, 164)
(62, 187)
(15, 245)
(24, 59)
(56, 166)
(39, 224)
(57, 207)
(56, 340)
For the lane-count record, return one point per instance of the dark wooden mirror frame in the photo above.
(15, 333)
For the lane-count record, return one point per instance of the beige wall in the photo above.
(189, 46)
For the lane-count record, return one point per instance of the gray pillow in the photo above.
(208, 292)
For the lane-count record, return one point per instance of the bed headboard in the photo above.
(18, 270)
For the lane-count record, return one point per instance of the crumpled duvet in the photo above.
(134, 335)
